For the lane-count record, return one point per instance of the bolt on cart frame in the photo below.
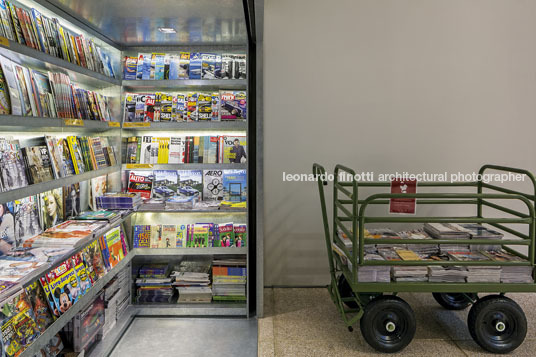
(351, 214)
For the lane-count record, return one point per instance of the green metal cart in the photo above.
(387, 322)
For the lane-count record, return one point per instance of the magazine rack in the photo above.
(387, 322)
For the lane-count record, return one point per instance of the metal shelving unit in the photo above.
(184, 167)
(49, 185)
(188, 251)
(237, 125)
(38, 59)
(185, 84)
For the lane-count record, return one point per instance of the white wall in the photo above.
(385, 85)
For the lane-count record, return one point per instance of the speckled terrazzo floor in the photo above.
(304, 322)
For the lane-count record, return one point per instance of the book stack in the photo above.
(511, 274)
(446, 274)
(221, 149)
(154, 284)
(119, 201)
(421, 249)
(64, 235)
(192, 281)
(229, 277)
(448, 231)
(374, 273)
(477, 273)
(101, 215)
(478, 231)
(185, 65)
(409, 273)
(384, 233)
(29, 27)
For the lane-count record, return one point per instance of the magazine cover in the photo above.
(212, 185)
(208, 66)
(195, 65)
(181, 236)
(148, 110)
(215, 106)
(53, 348)
(131, 65)
(8, 238)
(130, 107)
(111, 247)
(51, 208)
(226, 234)
(141, 236)
(166, 107)
(232, 149)
(19, 329)
(146, 149)
(39, 164)
(191, 107)
(76, 155)
(156, 235)
(240, 232)
(98, 186)
(200, 235)
(55, 156)
(235, 185)
(13, 89)
(140, 64)
(141, 182)
(64, 286)
(68, 165)
(190, 182)
(38, 301)
(94, 263)
(165, 183)
(174, 67)
(227, 62)
(5, 107)
(139, 108)
(184, 63)
(204, 106)
(176, 150)
(180, 107)
(23, 90)
(81, 273)
(233, 105)
(71, 200)
(26, 219)
(49, 299)
(12, 168)
(240, 66)
(146, 66)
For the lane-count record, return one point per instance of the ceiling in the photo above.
(136, 22)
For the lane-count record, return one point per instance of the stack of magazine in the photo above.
(448, 231)
(229, 277)
(192, 281)
(477, 273)
(446, 274)
(374, 273)
(421, 249)
(478, 231)
(511, 274)
(154, 284)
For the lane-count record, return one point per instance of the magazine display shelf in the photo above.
(185, 84)
(141, 167)
(162, 252)
(206, 211)
(185, 126)
(52, 184)
(21, 123)
(358, 301)
(53, 329)
(21, 53)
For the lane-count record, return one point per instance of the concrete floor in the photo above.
(305, 322)
(166, 337)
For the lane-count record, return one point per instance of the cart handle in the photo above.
(320, 174)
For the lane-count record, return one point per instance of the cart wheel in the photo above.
(454, 301)
(346, 292)
(388, 324)
(497, 324)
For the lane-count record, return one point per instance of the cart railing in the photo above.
(349, 210)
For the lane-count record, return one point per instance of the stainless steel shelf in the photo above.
(214, 211)
(49, 185)
(188, 251)
(29, 56)
(53, 329)
(212, 309)
(235, 125)
(181, 84)
(188, 167)
(43, 124)
(107, 344)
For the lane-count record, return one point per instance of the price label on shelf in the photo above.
(73, 122)
(113, 124)
(136, 125)
(139, 166)
(4, 41)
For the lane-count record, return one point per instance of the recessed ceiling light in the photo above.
(167, 30)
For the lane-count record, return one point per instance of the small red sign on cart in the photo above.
(403, 205)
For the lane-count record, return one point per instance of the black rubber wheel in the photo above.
(454, 301)
(388, 324)
(346, 291)
(497, 324)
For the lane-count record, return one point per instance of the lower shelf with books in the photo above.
(53, 329)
